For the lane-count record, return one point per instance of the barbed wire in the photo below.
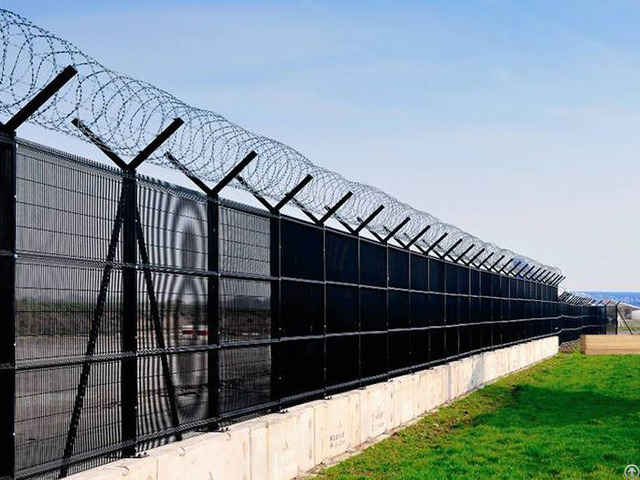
(127, 113)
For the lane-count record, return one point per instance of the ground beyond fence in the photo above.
(145, 311)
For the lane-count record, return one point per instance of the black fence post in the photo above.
(276, 330)
(8, 193)
(213, 308)
(359, 260)
(324, 311)
(7, 302)
(129, 340)
(388, 335)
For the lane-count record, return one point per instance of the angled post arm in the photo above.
(436, 243)
(467, 250)
(473, 259)
(485, 260)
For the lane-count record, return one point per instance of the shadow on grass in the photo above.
(526, 406)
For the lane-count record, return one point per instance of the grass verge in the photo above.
(570, 417)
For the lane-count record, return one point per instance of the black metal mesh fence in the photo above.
(236, 312)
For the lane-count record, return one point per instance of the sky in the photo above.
(517, 121)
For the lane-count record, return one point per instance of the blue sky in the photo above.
(517, 121)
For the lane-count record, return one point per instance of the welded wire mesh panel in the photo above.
(341, 258)
(451, 342)
(343, 359)
(436, 344)
(464, 280)
(45, 399)
(172, 309)
(188, 374)
(301, 250)
(507, 331)
(497, 310)
(343, 312)
(487, 335)
(174, 224)
(68, 285)
(301, 309)
(495, 286)
(419, 347)
(399, 350)
(485, 284)
(399, 309)
(485, 310)
(374, 354)
(178, 315)
(451, 278)
(513, 287)
(451, 310)
(300, 367)
(464, 310)
(474, 310)
(245, 242)
(373, 309)
(65, 207)
(419, 272)
(419, 309)
(436, 275)
(398, 268)
(373, 264)
(474, 282)
(176, 320)
(497, 331)
(464, 339)
(475, 337)
(436, 309)
(245, 310)
(245, 378)
(56, 307)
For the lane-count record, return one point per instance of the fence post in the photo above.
(213, 308)
(357, 237)
(386, 285)
(324, 311)
(275, 310)
(129, 379)
(7, 302)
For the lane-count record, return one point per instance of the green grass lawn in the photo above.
(569, 417)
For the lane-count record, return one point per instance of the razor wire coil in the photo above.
(127, 113)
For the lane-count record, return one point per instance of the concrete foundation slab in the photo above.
(405, 390)
(461, 372)
(477, 371)
(281, 446)
(503, 364)
(335, 428)
(490, 366)
(376, 410)
(258, 446)
(143, 468)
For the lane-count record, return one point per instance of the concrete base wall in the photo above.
(281, 446)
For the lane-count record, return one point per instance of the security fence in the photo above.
(135, 312)
(145, 311)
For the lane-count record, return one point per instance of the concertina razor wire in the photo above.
(127, 113)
